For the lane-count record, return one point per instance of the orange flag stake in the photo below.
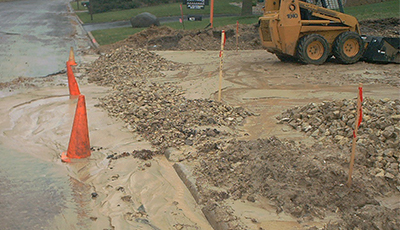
(356, 125)
(221, 61)
(79, 144)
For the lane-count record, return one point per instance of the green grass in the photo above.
(386, 9)
(109, 36)
(372, 11)
(75, 6)
(217, 22)
(220, 7)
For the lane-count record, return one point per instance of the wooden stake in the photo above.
(357, 123)
(237, 36)
(221, 61)
(182, 21)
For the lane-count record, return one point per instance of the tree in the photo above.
(247, 7)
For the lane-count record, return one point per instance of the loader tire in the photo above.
(312, 49)
(348, 47)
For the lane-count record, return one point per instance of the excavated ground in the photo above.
(228, 145)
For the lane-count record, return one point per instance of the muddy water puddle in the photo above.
(34, 193)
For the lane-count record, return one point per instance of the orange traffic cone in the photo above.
(72, 84)
(71, 59)
(79, 145)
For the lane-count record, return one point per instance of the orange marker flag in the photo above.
(356, 125)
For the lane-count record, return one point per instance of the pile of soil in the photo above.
(308, 182)
(378, 134)
(305, 182)
(166, 38)
(127, 63)
(389, 27)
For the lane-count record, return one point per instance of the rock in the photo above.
(173, 154)
(338, 138)
(94, 195)
(251, 198)
(144, 20)
(381, 173)
(388, 152)
(388, 132)
(395, 117)
(389, 175)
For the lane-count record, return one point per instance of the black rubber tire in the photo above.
(348, 47)
(312, 49)
(286, 58)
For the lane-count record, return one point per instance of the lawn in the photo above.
(386, 9)
(372, 11)
(165, 10)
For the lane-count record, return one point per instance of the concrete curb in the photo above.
(187, 178)
(90, 35)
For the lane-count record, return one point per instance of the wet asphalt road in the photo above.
(35, 37)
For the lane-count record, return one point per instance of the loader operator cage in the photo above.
(329, 4)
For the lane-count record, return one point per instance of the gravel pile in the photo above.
(128, 63)
(333, 122)
(159, 111)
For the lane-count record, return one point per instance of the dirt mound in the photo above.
(166, 38)
(127, 62)
(306, 182)
(389, 27)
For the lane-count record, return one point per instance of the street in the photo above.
(35, 37)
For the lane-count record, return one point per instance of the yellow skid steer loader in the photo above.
(313, 31)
